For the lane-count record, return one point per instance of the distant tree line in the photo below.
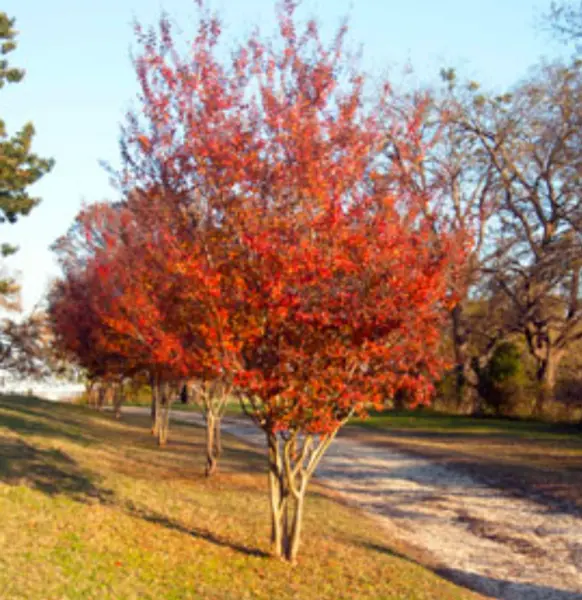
(508, 168)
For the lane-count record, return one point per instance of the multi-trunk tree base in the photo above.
(292, 462)
(212, 397)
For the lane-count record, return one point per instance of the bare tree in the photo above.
(453, 172)
(532, 140)
(25, 346)
(565, 21)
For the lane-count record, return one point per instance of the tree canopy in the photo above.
(268, 241)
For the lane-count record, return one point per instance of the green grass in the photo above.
(91, 508)
(232, 409)
(428, 420)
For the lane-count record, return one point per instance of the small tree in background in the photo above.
(503, 381)
(109, 310)
(530, 138)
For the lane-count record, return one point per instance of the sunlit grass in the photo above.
(91, 508)
(428, 420)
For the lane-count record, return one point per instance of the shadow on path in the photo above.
(506, 590)
(490, 586)
(554, 490)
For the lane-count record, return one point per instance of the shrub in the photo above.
(504, 384)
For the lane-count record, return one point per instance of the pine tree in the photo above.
(19, 166)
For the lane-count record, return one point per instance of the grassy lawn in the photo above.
(233, 408)
(431, 421)
(91, 508)
(523, 456)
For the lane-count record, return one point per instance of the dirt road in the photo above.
(476, 534)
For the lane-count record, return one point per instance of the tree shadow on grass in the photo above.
(29, 416)
(53, 473)
(237, 458)
(198, 533)
(243, 460)
(32, 406)
(50, 471)
(23, 425)
(383, 550)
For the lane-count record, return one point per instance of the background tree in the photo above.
(452, 172)
(26, 346)
(108, 311)
(565, 21)
(19, 166)
(531, 137)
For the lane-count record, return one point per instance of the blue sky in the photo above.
(79, 80)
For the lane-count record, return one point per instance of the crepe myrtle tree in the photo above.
(312, 275)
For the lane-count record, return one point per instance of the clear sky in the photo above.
(79, 79)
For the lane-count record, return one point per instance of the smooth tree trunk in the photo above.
(212, 398)
(110, 395)
(153, 412)
(167, 395)
(277, 496)
(292, 462)
(101, 397)
(213, 441)
(211, 455)
(156, 409)
(92, 395)
(217, 437)
(164, 427)
(118, 399)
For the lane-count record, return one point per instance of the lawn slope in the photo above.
(91, 508)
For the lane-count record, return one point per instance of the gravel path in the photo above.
(488, 540)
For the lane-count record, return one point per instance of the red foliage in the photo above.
(270, 238)
(305, 266)
(267, 236)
